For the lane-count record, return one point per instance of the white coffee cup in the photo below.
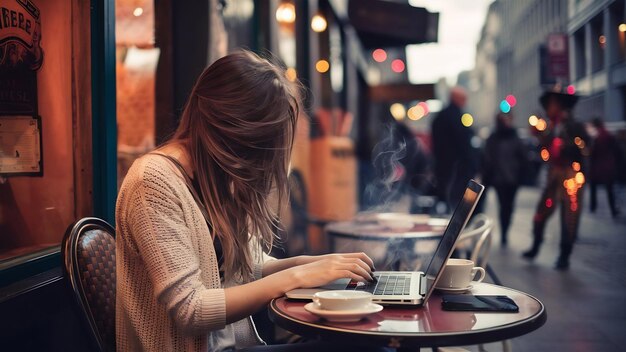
(342, 299)
(459, 273)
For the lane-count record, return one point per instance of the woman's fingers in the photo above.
(359, 262)
(364, 257)
(357, 269)
(352, 275)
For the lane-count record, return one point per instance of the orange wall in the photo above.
(37, 210)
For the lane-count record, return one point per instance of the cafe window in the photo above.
(136, 63)
(44, 150)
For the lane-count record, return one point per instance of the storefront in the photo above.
(86, 87)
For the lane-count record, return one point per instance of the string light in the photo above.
(379, 55)
(397, 66)
(416, 112)
(576, 166)
(398, 111)
(322, 66)
(318, 23)
(291, 74)
(286, 13)
(532, 120)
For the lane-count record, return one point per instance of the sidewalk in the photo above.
(585, 305)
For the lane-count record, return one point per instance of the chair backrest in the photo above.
(482, 247)
(476, 239)
(89, 266)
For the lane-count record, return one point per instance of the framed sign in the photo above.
(20, 146)
(21, 56)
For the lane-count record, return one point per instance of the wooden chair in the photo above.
(88, 252)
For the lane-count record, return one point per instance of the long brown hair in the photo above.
(238, 127)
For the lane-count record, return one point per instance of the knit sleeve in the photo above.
(163, 240)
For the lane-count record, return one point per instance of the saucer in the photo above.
(454, 290)
(343, 315)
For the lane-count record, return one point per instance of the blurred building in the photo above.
(510, 48)
(512, 57)
(597, 30)
(482, 86)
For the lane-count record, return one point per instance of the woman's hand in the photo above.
(327, 268)
(274, 266)
(313, 271)
(306, 259)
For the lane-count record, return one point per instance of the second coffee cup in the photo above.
(342, 300)
(459, 273)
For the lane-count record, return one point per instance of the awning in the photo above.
(382, 24)
(401, 92)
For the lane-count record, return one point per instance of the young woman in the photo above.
(193, 218)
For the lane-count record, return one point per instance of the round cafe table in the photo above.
(414, 327)
(394, 230)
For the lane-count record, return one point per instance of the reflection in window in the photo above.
(137, 59)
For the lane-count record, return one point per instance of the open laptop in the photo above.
(410, 287)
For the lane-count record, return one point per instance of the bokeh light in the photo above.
(467, 120)
(541, 125)
(291, 74)
(286, 13)
(576, 166)
(571, 89)
(580, 178)
(424, 106)
(532, 120)
(138, 12)
(318, 23)
(579, 142)
(549, 203)
(622, 27)
(602, 39)
(416, 112)
(505, 107)
(379, 55)
(398, 111)
(511, 100)
(322, 66)
(545, 154)
(397, 66)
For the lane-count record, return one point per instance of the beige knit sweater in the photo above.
(169, 295)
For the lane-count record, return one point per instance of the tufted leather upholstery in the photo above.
(89, 258)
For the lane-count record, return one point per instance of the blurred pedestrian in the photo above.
(503, 162)
(456, 160)
(606, 155)
(563, 140)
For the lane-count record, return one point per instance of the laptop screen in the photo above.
(458, 221)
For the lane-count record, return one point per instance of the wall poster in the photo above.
(21, 56)
(20, 146)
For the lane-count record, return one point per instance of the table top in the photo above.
(419, 326)
(385, 226)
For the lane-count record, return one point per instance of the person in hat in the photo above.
(563, 142)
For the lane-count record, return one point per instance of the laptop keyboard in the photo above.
(386, 285)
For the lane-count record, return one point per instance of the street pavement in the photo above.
(586, 305)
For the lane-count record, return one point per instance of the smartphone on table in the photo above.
(478, 303)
